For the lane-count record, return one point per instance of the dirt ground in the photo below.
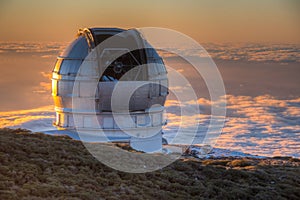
(38, 166)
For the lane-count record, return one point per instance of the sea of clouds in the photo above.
(281, 53)
(261, 125)
(32, 47)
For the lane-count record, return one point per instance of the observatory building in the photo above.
(111, 83)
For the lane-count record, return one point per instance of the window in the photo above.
(128, 63)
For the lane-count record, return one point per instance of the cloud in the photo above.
(261, 125)
(44, 86)
(45, 49)
(37, 119)
(279, 53)
(270, 125)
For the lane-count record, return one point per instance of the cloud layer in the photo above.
(261, 125)
(268, 53)
(257, 124)
(32, 47)
(281, 53)
(37, 119)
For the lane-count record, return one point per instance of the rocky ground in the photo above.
(39, 166)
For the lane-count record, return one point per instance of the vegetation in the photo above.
(38, 166)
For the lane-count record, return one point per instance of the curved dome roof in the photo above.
(88, 38)
(78, 49)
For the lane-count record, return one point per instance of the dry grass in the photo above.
(37, 166)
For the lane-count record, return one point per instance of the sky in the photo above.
(274, 21)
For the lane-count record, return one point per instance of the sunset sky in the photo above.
(204, 20)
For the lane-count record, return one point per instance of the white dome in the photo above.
(126, 68)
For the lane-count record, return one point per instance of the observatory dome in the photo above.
(135, 64)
